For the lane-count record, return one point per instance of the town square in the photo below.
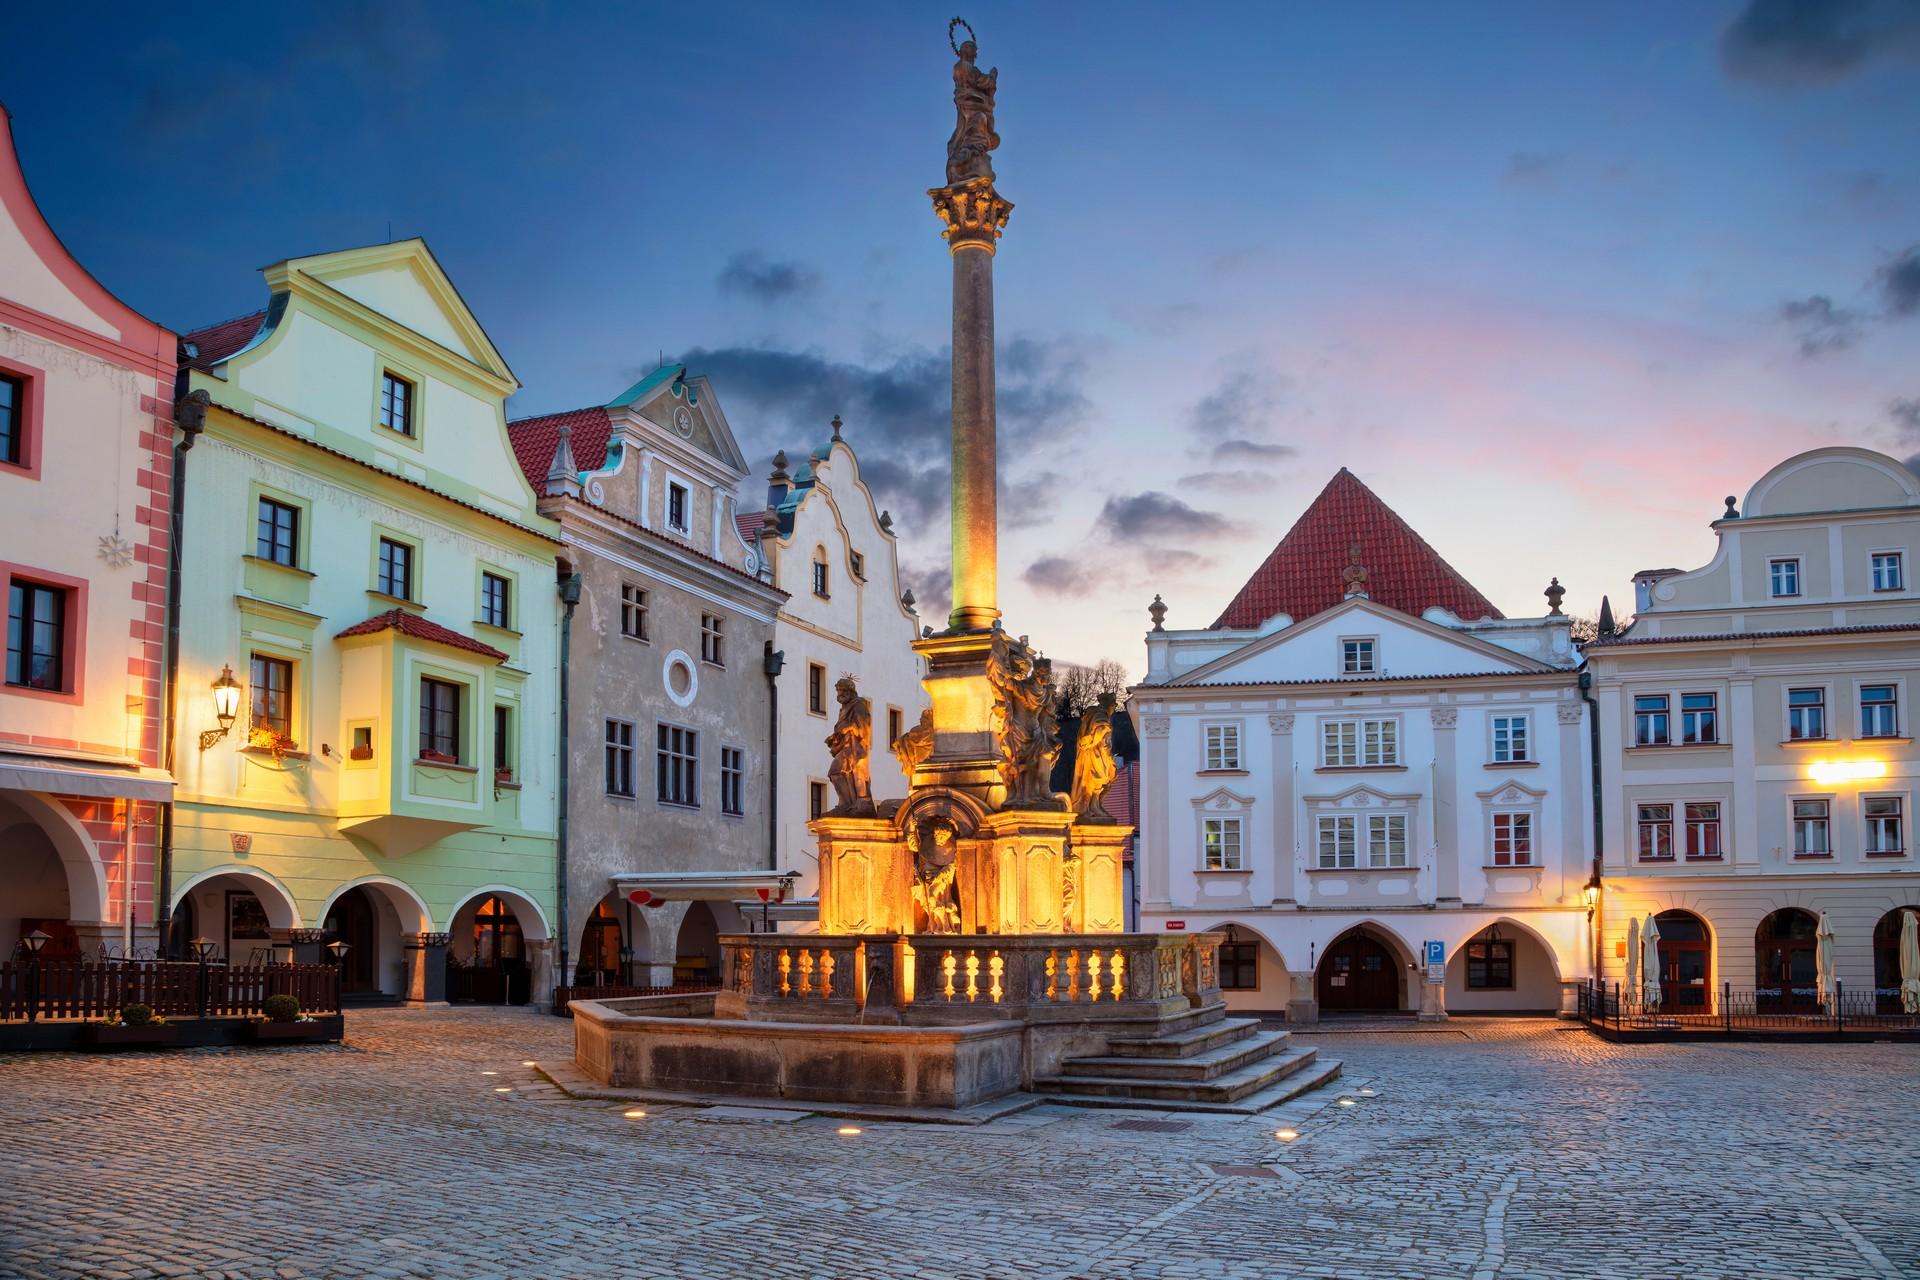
(1325, 693)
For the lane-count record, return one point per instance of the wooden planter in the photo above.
(102, 1036)
(288, 1032)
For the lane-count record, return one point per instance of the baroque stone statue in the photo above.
(1094, 768)
(973, 100)
(936, 897)
(1029, 734)
(915, 745)
(851, 743)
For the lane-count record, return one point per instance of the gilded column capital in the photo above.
(973, 214)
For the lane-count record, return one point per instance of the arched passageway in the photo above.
(1785, 974)
(1361, 971)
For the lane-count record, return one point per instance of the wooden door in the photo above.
(351, 922)
(1358, 973)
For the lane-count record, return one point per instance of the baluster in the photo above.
(995, 967)
(1093, 975)
(1073, 974)
(1053, 974)
(947, 967)
(806, 972)
(826, 975)
(973, 976)
(786, 970)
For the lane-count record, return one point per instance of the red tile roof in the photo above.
(1301, 577)
(1123, 797)
(1721, 637)
(218, 341)
(750, 524)
(412, 624)
(535, 439)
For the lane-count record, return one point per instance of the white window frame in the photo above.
(1686, 711)
(1787, 690)
(1220, 747)
(1641, 822)
(1525, 721)
(1666, 711)
(1874, 826)
(1686, 824)
(1860, 687)
(1385, 730)
(1822, 822)
(1519, 837)
(684, 529)
(1899, 557)
(1226, 833)
(1794, 569)
(1380, 841)
(1350, 653)
(1333, 822)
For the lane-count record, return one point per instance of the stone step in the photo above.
(1287, 1088)
(1229, 1055)
(1183, 1043)
(1230, 1087)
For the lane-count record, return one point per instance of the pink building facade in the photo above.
(86, 445)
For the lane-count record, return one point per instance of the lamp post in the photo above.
(203, 949)
(626, 966)
(226, 706)
(34, 941)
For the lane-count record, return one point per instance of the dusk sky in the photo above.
(1551, 279)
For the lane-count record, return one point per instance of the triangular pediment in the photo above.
(1511, 791)
(683, 409)
(1403, 646)
(1222, 799)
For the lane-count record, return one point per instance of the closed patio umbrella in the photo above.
(1823, 961)
(1650, 962)
(1633, 959)
(1910, 961)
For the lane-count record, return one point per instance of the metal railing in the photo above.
(35, 990)
(1787, 1010)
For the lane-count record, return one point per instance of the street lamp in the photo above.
(203, 949)
(226, 706)
(626, 966)
(338, 948)
(34, 941)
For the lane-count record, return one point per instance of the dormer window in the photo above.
(396, 404)
(1783, 577)
(677, 508)
(1357, 656)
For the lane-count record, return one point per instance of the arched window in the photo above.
(820, 580)
(1686, 964)
(600, 950)
(1785, 979)
(1886, 960)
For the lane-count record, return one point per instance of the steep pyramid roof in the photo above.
(1302, 575)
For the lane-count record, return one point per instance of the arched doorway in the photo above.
(487, 961)
(696, 956)
(241, 911)
(1359, 972)
(33, 887)
(601, 943)
(1886, 960)
(1686, 964)
(1785, 970)
(351, 922)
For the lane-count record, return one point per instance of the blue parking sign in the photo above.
(1436, 953)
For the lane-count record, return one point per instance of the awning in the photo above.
(708, 886)
(84, 778)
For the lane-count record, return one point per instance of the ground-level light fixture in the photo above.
(489, 1073)
(36, 940)
(848, 1130)
(528, 1063)
(504, 1089)
(634, 1113)
(226, 706)
(1365, 1093)
(1286, 1135)
(1347, 1102)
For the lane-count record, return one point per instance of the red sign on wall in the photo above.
(1176, 924)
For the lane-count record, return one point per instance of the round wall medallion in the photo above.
(681, 681)
(683, 423)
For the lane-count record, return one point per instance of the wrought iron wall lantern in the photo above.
(226, 706)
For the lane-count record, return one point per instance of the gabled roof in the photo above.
(216, 342)
(1302, 575)
(412, 624)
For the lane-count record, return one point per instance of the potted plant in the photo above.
(503, 774)
(264, 738)
(436, 757)
(283, 1022)
(134, 1026)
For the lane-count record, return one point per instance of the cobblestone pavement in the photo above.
(424, 1147)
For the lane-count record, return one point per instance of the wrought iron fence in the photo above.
(33, 990)
(1804, 1010)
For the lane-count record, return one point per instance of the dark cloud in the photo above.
(1533, 166)
(1028, 502)
(1899, 280)
(1234, 422)
(765, 280)
(1819, 325)
(1061, 576)
(1905, 413)
(1796, 43)
(1251, 451)
(1150, 516)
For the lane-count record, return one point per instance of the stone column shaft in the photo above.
(975, 476)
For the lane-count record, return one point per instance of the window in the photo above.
(270, 694)
(857, 563)
(677, 765)
(1337, 840)
(733, 772)
(36, 635)
(1699, 719)
(1239, 966)
(439, 720)
(1656, 832)
(1221, 837)
(502, 742)
(1356, 657)
(820, 574)
(396, 569)
(633, 611)
(1888, 571)
(1806, 714)
(1783, 577)
(1650, 723)
(277, 532)
(494, 601)
(816, 689)
(1884, 834)
(1345, 744)
(677, 517)
(620, 758)
(1490, 964)
(1879, 711)
(13, 421)
(710, 640)
(1812, 829)
(1513, 839)
(1387, 840)
(396, 404)
(1703, 831)
(1510, 739)
(816, 799)
(1223, 746)
(894, 723)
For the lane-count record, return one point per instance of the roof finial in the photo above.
(1158, 612)
(1555, 593)
(836, 426)
(1732, 512)
(780, 466)
(1354, 576)
(1605, 626)
(563, 477)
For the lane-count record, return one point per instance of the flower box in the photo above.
(360, 753)
(503, 775)
(309, 1031)
(436, 757)
(151, 1035)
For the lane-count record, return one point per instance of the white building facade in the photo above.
(1758, 759)
(835, 554)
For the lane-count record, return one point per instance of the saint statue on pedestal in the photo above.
(936, 896)
(1094, 768)
(915, 745)
(851, 743)
(973, 95)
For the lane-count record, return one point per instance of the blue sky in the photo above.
(1553, 280)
